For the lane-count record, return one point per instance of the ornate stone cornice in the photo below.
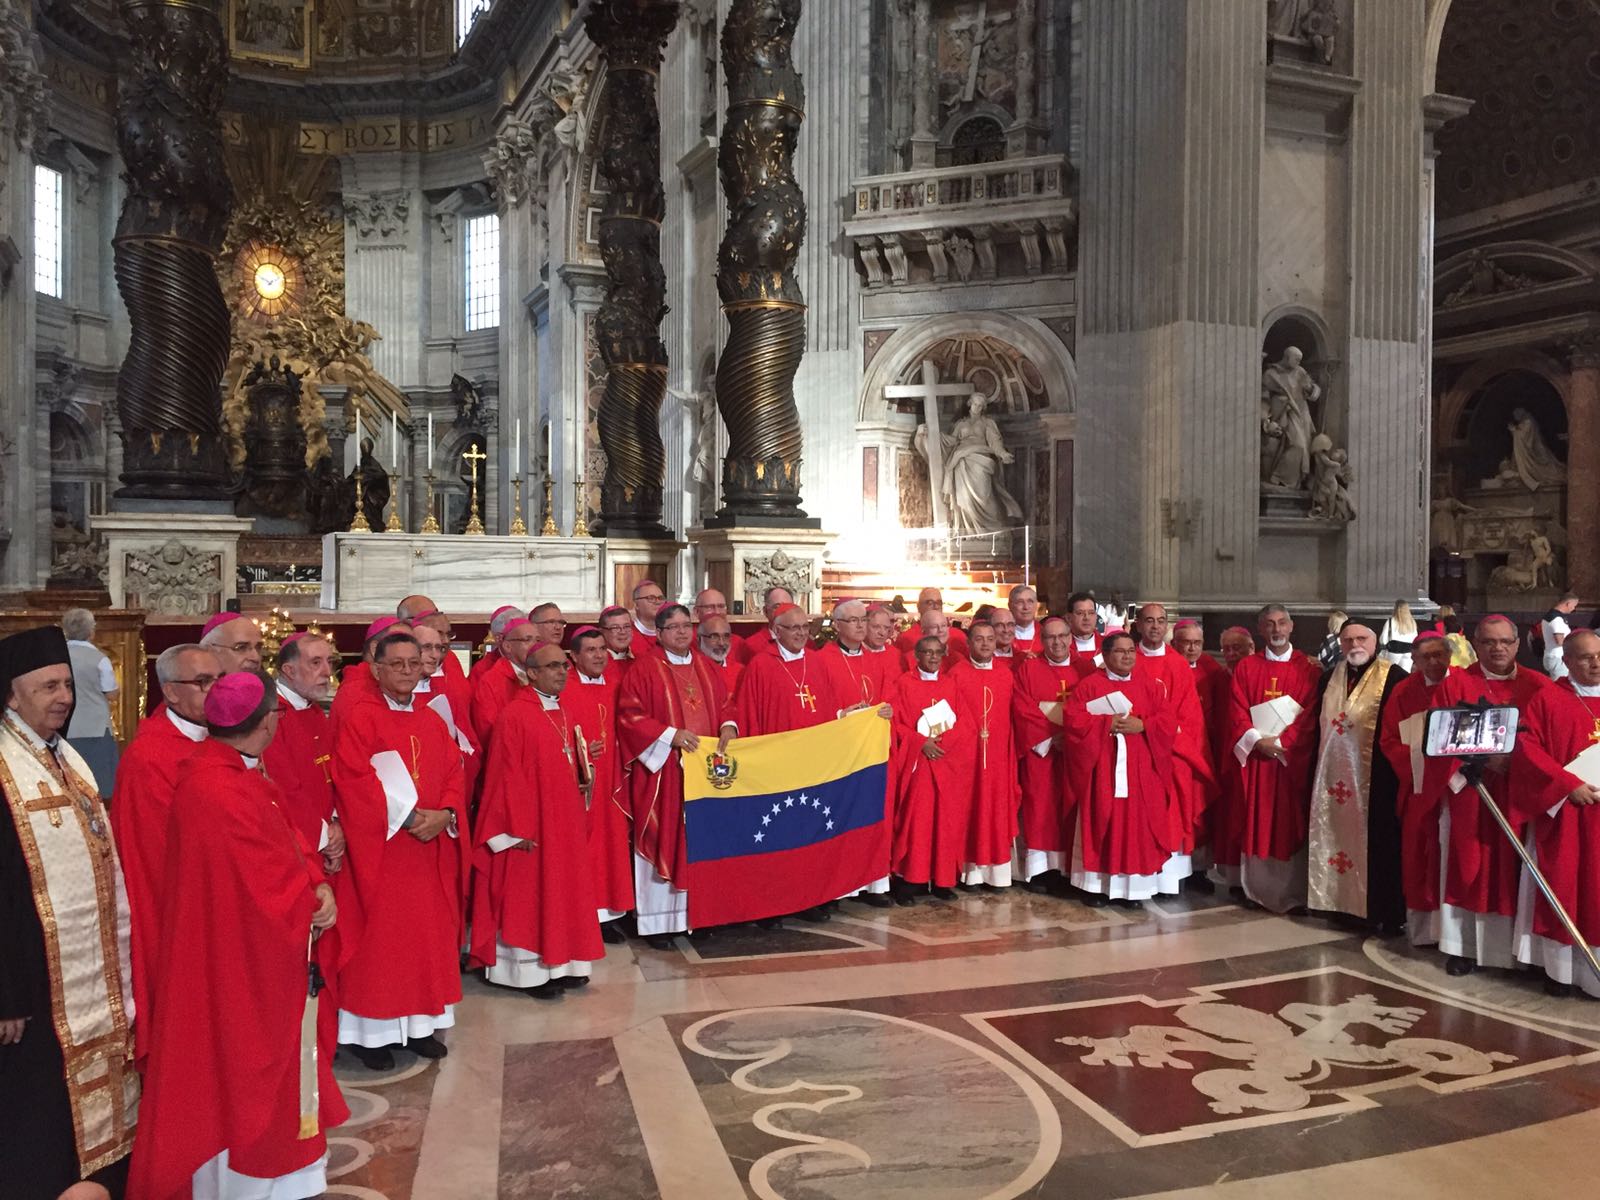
(378, 218)
(23, 93)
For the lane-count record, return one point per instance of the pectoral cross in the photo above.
(1595, 736)
(807, 698)
(1272, 689)
(1064, 691)
(322, 761)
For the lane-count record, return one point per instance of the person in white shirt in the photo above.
(92, 729)
(1554, 630)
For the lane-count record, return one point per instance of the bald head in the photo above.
(237, 644)
(413, 607)
(710, 603)
(935, 624)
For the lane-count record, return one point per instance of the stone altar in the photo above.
(368, 572)
(172, 564)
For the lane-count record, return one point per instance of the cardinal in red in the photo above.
(397, 782)
(533, 910)
(498, 621)
(1084, 619)
(1275, 768)
(493, 689)
(714, 642)
(1043, 686)
(299, 758)
(356, 682)
(1192, 777)
(448, 693)
(1559, 724)
(667, 702)
(987, 688)
(1420, 829)
(1478, 911)
(616, 626)
(1022, 606)
(147, 780)
(933, 774)
(244, 889)
(1118, 732)
(590, 702)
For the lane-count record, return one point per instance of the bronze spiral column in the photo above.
(631, 35)
(755, 266)
(169, 131)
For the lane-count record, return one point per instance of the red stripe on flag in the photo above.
(724, 891)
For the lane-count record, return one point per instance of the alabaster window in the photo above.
(483, 272)
(468, 11)
(48, 230)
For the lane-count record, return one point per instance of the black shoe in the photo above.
(1457, 966)
(1036, 885)
(611, 935)
(944, 893)
(1200, 883)
(573, 981)
(550, 989)
(876, 899)
(1557, 989)
(770, 923)
(817, 916)
(1130, 903)
(373, 1058)
(699, 935)
(427, 1047)
(1094, 899)
(660, 941)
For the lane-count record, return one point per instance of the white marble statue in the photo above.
(1536, 464)
(1287, 394)
(975, 499)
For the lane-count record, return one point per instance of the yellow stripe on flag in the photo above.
(758, 766)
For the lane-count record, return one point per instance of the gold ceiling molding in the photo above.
(374, 135)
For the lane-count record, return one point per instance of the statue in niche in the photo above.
(468, 399)
(374, 486)
(1533, 566)
(1331, 480)
(1313, 24)
(1535, 464)
(972, 452)
(1287, 394)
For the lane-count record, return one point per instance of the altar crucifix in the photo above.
(928, 392)
(473, 457)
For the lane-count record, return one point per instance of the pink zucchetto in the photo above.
(222, 618)
(378, 627)
(239, 700)
(517, 624)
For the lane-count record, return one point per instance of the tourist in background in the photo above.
(91, 730)
(1397, 635)
(1331, 653)
(1461, 652)
(1553, 630)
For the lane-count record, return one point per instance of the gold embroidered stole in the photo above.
(1340, 800)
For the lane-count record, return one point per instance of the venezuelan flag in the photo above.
(787, 821)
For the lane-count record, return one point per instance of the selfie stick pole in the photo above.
(1579, 942)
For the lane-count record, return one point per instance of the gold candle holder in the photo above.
(580, 521)
(358, 523)
(548, 529)
(394, 525)
(431, 525)
(474, 456)
(519, 527)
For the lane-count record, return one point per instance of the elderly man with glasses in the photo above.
(146, 783)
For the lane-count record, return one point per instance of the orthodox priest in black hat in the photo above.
(68, 1092)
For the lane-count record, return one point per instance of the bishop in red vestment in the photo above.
(616, 626)
(744, 649)
(714, 642)
(299, 759)
(244, 890)
(493, 690)
(235, 640)
(147, 780)
(1421, 874)
(987, 688)
(1212, 684)
(1006, 653)
(858, 676)
(448, 693)
(356, 682)
(1043, 686)
(790, 688)
(929, 600)
(1559, 724)
(1275, 770)
(933, 774)
(881, 627)
(1192, 776)
(1022, 606)
(667, 702)
(1118, 733)
(590, 702)
(533, 910)
(1482, 871)
(1227, 811)
(498, 620)
(397, 782)
(1084, 618)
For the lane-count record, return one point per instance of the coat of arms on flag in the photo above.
(795, 821)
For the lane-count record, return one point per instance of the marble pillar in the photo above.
(924, 86)
(1027, 133)
(1583, 472)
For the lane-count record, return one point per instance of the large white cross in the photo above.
(929, 391)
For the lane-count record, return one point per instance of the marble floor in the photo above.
(993, 1046)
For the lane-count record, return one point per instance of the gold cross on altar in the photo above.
(474, 456)
(807, 698)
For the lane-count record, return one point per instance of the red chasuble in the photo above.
(655, 696)
(933, 798)
(1276, 797)
(727, 670)
(906, 644)
(225, 1050)
(618, 667)
(1038, 680)
(746, 648)
(1192, 776)
(400, 900)
(1419, 819)
(889, 663)
(457, 692)
(300, 762)
(860, 678)
(592, 710)
(1128, 835)
(1218, 826)
(993, 828)
(356, 683)
(775, 696)
(485, 663)
(540, 900)
(1084, 659)
(490, 694)
(146, 779)
(1021, 646)
(1556, 727)
(1484, 870)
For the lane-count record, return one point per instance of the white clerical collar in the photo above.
(597, 680)
(796, 656)
(873, 649)
(1025, 632)
(1149, 653)
(926, 676)
(296, 701)
(521, 672)
(1583, 690)
(980, 666)
(1065, 662)
(615, 657)
(644, 629)
(677, 660)
(1488, 674)
(1272, 655)
(251, 762)
(195, 733)
(424, 686)
(1115, 678)
(550, 703)
(1426, 682)
(1006, 653)
(1083, 643)
(395, 705)
(856, 653)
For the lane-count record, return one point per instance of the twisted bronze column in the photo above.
(755, 266)
(169, 131)
(631, 35)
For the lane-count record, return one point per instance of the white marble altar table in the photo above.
(370, 572)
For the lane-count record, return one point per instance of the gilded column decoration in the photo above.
(755, 265)
(631, 35)
(169, 131)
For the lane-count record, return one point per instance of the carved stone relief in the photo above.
(173, 580)
(778, 569)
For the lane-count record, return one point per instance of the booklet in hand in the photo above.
(1112, 704)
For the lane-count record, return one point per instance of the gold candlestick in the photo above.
(548, 529)
(431, 525)
(519, 527)
(474, 456)
(358, 524)
(580, 521)
(394, 525)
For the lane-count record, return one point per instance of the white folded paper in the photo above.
(399, 789)
(936, 718)
(1412, 732)
(1273, 717)
(1112, 704)
(1587, 766)
(441, 705)
(1051, 710)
